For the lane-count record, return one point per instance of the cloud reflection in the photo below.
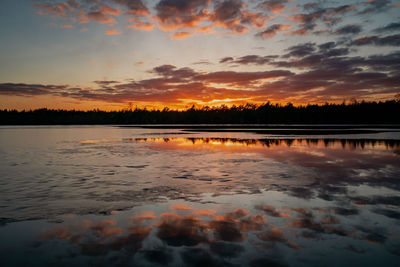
(217, 238)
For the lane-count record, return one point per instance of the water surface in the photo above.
(149, 197)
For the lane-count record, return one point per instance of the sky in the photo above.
(87, 54)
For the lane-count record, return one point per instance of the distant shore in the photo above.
(362, 113)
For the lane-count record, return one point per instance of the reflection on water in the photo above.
(122, 198)
(190, 234)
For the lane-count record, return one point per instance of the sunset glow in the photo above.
(87, 54)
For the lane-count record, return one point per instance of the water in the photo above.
(107, 195)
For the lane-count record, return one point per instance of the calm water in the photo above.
(104, 196)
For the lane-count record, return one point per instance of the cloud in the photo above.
(395, 26)
(240, 77)
(84, 11)
(187, 18)
(256, 19)
(112, 32)
(168, 15)
(226, 59)
(391, 40)
(375, 6)
(308, 21)
(348, 29)
(272, 211)
(159, 256)
(226, 250)
(55, 10)
(249, 59)
(306, 72)
(228, 11)
(141, 25)
(233, 15)
(274, 6)
(178, 14)
(66, 26)
(141, 63)
(22, 89)
(272, 30)
(180, 35)
(133, 7)
(300, 50)
(172, 85)
(202, 62)
(101, 18)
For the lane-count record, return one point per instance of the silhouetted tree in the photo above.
(354, 112)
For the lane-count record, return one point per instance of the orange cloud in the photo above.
(110, 11)
(66, 26)
(112, 32)
(180, 35)
(141, 25)
(142, 63)
(205, 212)
(206, 29)
(274, 6)
(180, 207)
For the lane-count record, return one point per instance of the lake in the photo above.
(157, 196)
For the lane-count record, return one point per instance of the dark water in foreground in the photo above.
(105, 196)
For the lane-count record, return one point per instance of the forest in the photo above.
(362, 112)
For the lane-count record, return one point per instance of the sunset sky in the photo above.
(85, 54)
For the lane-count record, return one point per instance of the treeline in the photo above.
(356, 112)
